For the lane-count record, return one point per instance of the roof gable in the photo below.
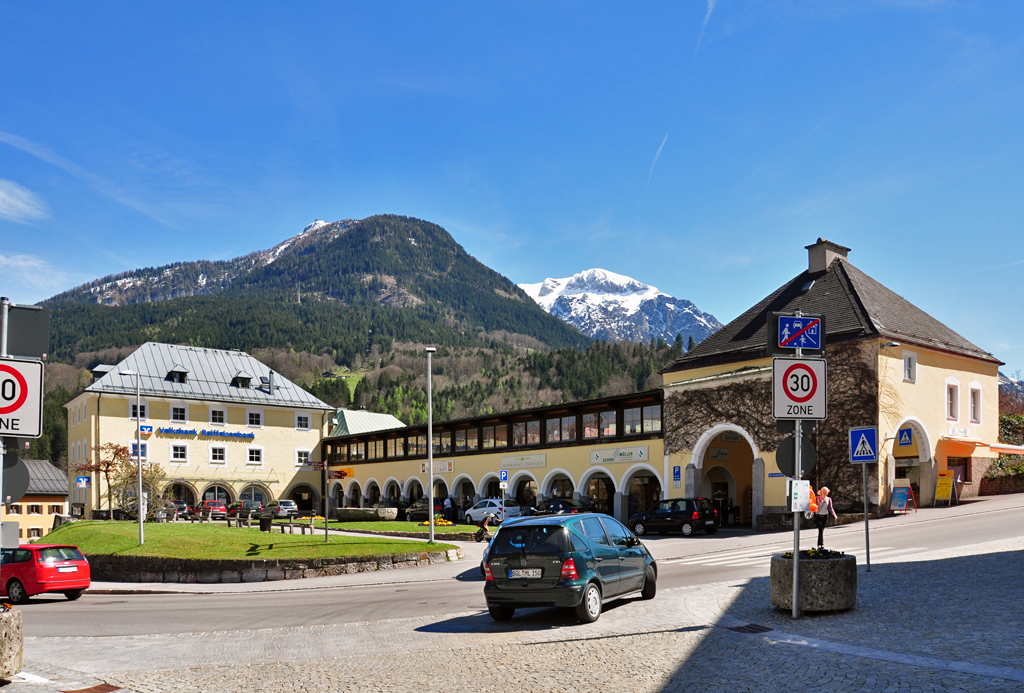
(45, 480)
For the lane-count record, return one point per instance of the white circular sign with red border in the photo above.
(798, 388)
(21, 398)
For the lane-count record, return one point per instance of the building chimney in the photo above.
(270, 384)
(821, 254)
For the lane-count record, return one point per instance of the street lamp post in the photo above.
(138, 453)
(430, 445)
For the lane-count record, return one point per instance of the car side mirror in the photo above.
(632, 541)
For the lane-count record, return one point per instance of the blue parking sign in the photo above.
(863, 444)
(677, 473)
(503, 475)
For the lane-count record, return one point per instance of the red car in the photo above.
(37, 568)
(216, 508)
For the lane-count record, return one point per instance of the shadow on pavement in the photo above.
(525, 620)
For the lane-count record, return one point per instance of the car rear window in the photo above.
(538, 539)
(703, 504)
(511, 504)
(60, 553)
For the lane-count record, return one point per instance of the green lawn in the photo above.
(397, 527)
(217, 542)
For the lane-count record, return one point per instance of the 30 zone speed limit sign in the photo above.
(21, 398)
(798, 388)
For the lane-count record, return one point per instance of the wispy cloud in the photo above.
(88, 177)
(655, 162)
(1008, 264)
(20, 204)
(33, 276)
(707, 17)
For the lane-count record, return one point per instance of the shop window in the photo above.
(533, 432)
(460, 441)
(652, 419)
(568, 428)
(607, 424)
(472, 439)
(443, 442)
(375, 449)
(392, 447)
(178, 414)
(975, 405)
(632, 421)
(909, 367)
(495, 436)
(553, 429)
(217, 416)
(519, 433)
(357, 452)
(590, 422)
(952, 397)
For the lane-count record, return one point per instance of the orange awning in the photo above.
(1007, 449)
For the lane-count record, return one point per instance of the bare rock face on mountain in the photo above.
(614, 307)
(201, 277)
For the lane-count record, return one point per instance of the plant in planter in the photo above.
(828, 581)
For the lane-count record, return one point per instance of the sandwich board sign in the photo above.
(863, 444)
(21, 398)
(944, 488)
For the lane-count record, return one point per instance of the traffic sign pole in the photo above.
(796, 513)
(867, 536)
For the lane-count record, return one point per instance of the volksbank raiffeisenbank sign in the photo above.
(637, 454)
(210, 433)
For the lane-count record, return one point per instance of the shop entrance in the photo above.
(183, 492)
(415, 491)
(354, 495)
(526, 494)
(304, 497)
(644, 492)
(562, 487)
(600, 494)
(217, 492)
(372, 494)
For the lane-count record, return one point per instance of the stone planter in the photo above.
(12, 644)
(828, 584)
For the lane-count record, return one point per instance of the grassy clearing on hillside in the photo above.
(217, 542)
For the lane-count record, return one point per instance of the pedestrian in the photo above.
(448, 508)
(821, 517)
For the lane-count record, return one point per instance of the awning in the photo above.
(1007, 449)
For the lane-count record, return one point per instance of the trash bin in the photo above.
(266, 521)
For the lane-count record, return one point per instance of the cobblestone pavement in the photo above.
(947, 620)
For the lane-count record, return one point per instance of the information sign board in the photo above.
(798, 388)
(21, 398)
(944, 487)
(900, 498)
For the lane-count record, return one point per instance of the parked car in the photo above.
(39, 568)
(216, 508)
(417, 512)
(251, 505)
(577, 560)
(501, 509)
(182, 507)
(686, 515)
(558, 506)
(401, 506)
(282, 508)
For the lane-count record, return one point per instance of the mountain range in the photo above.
(613, 307)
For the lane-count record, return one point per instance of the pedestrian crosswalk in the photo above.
(762, 555)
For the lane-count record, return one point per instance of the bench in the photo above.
(242, 519)
(203, 516)
(303, 525)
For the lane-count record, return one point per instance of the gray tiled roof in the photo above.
(209, 377)
(45, 479)
(855, 306)
(350, 422)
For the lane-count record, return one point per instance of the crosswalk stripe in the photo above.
(750, 557)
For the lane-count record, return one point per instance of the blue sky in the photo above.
(696, 146)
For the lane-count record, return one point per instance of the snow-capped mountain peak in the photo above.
(615, 307)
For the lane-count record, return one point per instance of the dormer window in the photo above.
(177, 374)
(241, 381)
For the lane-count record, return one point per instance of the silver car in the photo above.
(500, 509)
(282, 508)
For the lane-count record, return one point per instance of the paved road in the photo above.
(457, 587)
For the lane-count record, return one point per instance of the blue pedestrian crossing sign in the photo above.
(905, 437)
(799, 333)
(503, 475)
(863, 444)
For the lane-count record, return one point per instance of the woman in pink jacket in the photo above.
(821, 517)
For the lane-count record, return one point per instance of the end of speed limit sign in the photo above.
(21, 398)
(798, 388)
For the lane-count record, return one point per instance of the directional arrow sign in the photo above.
(21, 398)
(863, 444)
(798, 388)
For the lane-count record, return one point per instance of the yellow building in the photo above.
(45, 498)
(606, 452)
(932, 394)
(220, 423)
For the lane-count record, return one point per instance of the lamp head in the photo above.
(890, 344)
(126, 372)
(431, 350)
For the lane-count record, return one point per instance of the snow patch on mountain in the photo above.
(614, 307)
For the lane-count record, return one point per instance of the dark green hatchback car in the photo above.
(577, 561)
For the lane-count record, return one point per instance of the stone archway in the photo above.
(257, 492)
(306, 498)
(914, 462)
(597, 490)
(731, 448)
(221, 492)
(558, 484)
(642, 488)
(182, 490)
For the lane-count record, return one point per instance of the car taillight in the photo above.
(569, 571)
(696, 515)
(487, 573)
(716, 512)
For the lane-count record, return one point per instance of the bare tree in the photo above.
(110, 456)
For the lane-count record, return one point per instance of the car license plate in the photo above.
(710, 522)
(68, 569)
(528, 573)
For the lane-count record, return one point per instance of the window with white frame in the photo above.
(302, 421)
(218, 454)
(179, 453)
(179, 413)
(135, 451)
(909, 367)
(302, 457)
(952, 401)
(217, 416)
(133, 411)
(254, 456)
(975, 403)
(254, 418)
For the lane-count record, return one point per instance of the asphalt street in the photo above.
(457, 586)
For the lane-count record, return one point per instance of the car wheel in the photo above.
(501, 613)
(16, 592)
(72, 595)
(687, 529)
(639, 529)
(589, 609)
(711, 530)
(650, 583)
